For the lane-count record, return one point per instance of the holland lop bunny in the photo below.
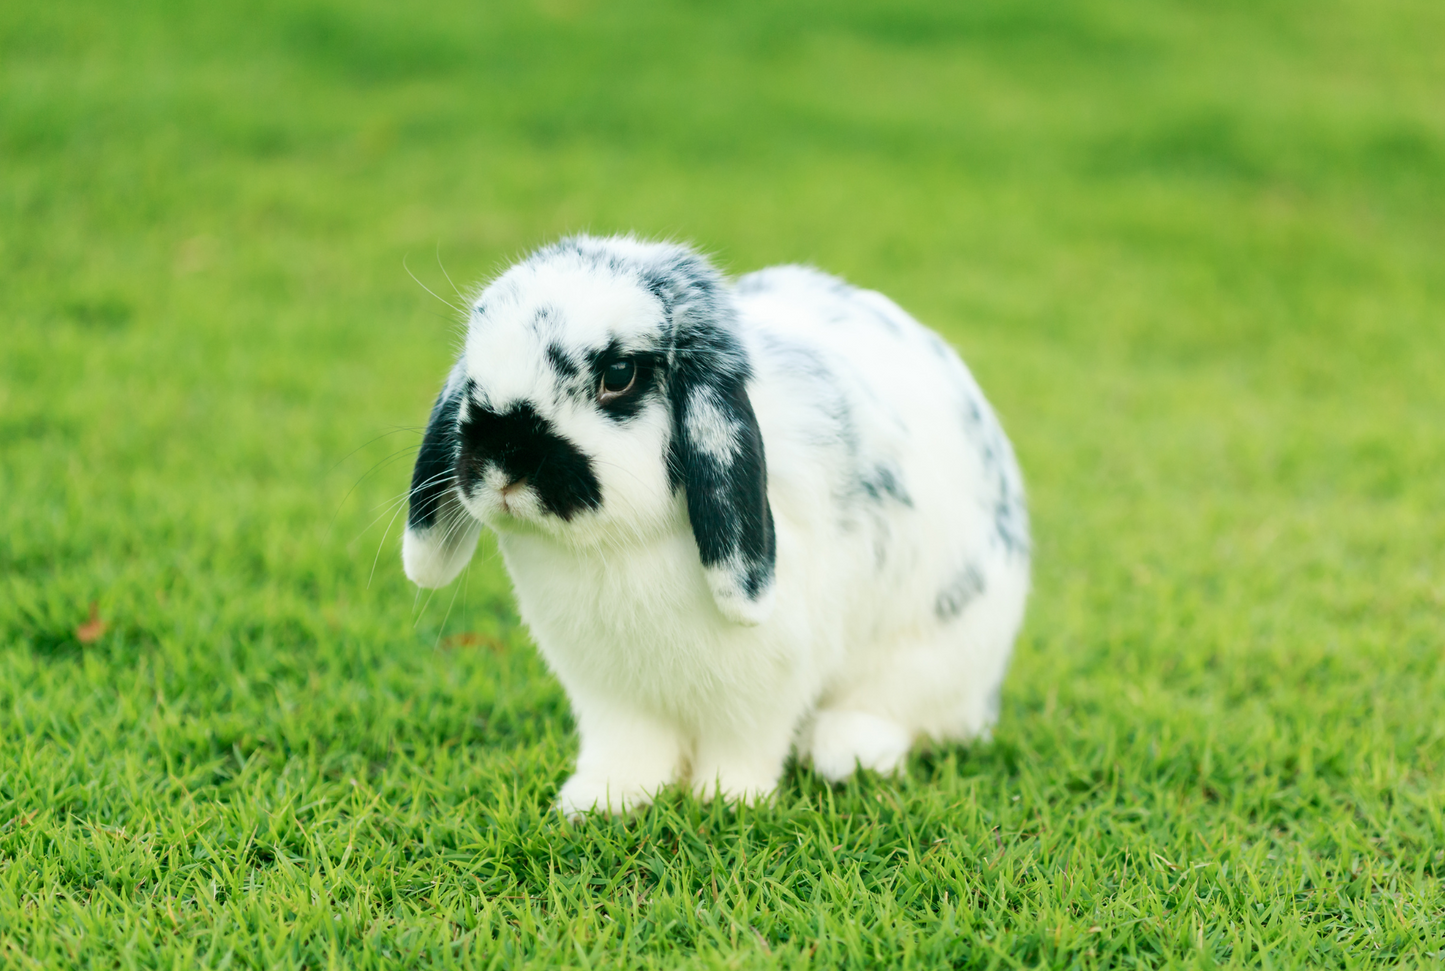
(737, 517)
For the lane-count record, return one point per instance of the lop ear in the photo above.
(717, 456)
(440, 534)
(717, 447)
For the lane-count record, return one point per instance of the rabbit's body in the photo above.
(892, 581)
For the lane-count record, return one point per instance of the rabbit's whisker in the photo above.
(388, 504)
(429, 290)
(459, 294)
(357, 484)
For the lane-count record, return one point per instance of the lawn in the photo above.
(1192, 251)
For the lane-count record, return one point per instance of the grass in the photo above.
(1192, 251)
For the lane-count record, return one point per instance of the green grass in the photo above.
(1192, 251)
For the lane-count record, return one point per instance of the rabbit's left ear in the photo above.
(717, 456)
(717, 448)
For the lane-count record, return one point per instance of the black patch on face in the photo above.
(434, 474)
(647, 364)
(561, 363)
(882, 481)
(522, 444)
(961, 591)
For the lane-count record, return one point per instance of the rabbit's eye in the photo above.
(617, 379)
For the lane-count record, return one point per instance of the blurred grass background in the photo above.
(1192, 250)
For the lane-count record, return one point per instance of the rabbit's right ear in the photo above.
(440, 534)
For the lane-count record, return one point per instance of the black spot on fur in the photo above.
(434, 474)
(523, 445)
(973, 415)
(882, 482)
(961, 591)
(1010, 525)
(1010, 515)
(561, 363)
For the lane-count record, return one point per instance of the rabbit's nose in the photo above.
(509, 493)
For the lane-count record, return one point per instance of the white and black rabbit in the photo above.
(737, 517)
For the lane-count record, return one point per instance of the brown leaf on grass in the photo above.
(473, 639)
(93, 629)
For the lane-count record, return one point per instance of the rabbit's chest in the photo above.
(639, 624)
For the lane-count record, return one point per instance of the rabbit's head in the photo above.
(602, 381)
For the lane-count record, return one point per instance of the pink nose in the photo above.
(510, 490)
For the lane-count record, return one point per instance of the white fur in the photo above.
(849, 655)
(711, 428)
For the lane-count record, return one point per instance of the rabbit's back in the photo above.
(887, 461)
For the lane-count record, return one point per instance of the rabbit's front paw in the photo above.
(845, 740)
(736, 777)
(747, 791)
(583, 794)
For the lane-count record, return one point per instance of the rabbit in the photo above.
(739, 519)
